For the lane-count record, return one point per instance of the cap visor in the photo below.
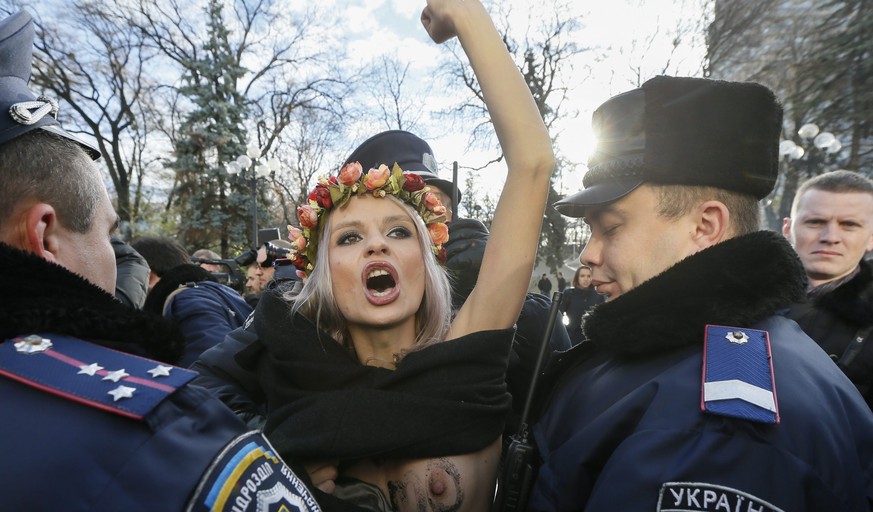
(596, 195)
(92, 151)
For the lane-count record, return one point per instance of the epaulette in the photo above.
(738, 376)
(90, 374)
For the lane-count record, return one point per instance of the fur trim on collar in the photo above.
(735, 283)
(853, 301)
(40, 296)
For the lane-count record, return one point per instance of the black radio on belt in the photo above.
(517, 469)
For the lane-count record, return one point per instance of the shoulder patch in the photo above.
(248, 476)
(704, 497)
(738, 376)
(90, 374)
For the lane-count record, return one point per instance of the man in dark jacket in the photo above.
(831, 228)
(87, 425)
(692, 290)
(204, 309)
(132, 274)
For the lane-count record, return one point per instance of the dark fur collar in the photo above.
(39, 296)
(853, 301)
(734, 283)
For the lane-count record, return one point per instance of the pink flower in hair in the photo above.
(350, 174)
(307, 216)
(432, 201)
(439, 233)
(377, 178)
(295, 236)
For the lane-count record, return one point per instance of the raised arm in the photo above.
(509, 256)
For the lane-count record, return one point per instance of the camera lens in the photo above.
(274, 252)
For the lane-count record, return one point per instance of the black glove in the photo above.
(464, 251)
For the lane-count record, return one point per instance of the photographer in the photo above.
(264, 268)
(204, 309)
(208, 259)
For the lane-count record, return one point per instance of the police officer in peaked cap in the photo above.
(94, 415)
(691, 390)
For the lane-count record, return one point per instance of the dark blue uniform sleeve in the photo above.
(631, 435)
(235, 386)
(69, 442)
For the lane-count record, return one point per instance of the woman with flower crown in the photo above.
(394, 404)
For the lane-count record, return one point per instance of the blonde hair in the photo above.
(837, 182)
(317, 302)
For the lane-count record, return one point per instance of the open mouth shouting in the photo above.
(380, 283)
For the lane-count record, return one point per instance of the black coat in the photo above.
(834, 320)
(39, 296)
(576, 302)
(444, 399)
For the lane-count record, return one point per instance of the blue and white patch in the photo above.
(738, 374)
(704, 497)
(248, 475)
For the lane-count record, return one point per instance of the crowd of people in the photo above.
(380, 357)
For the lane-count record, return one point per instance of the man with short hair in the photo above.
(831, 228)
(208, 254)
(86, 424)
(544, 285)
(253, 282)
(268, 253)
(204, 309)
(162, 254)
(671, 403)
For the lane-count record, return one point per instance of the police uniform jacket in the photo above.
(625, 429)
(89, 426)
(841, 321)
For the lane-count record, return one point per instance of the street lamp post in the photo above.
(825, 141)
(249, 162)
(813, 138)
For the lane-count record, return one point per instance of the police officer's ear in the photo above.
(711, 224)
(40, 232)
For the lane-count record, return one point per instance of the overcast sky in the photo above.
(630, 38)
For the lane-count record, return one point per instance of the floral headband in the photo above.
(336, 191)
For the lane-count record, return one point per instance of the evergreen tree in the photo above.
(212, 204)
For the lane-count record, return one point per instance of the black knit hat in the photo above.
(682, 131)
(408, 151)
(20, 110)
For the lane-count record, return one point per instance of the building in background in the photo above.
(815, 56)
